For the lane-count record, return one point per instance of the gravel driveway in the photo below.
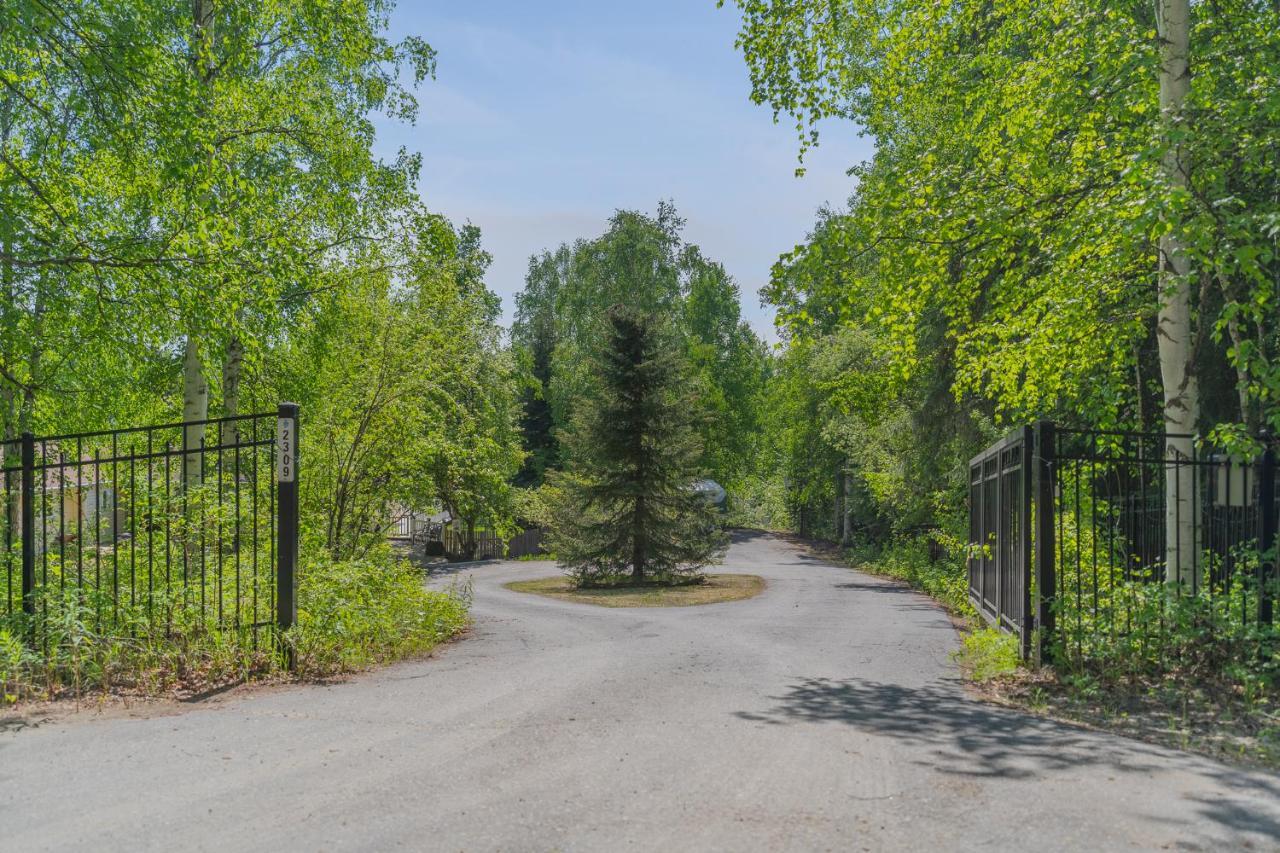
(823, 715)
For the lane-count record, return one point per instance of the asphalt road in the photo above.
(823, 715)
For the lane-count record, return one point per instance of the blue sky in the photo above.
(546, 117)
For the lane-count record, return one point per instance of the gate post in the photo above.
(1045, 511)
(27, 508)
(1267, 566)
(287, 519)
(1025, 543)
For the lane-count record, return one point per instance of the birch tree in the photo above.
(187, 177)
(1175, 325)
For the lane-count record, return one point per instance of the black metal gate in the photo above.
(1068, 537)
(156, 530)
(1000, 534)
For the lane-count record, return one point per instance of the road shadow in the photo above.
(17, 723)
(882, 587)
(742, 535)
(954, 734)
(447, 570)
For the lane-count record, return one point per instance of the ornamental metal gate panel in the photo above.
(1069, 538)
(999, 559)
(159, 530)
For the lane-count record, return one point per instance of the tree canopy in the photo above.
(643, 262)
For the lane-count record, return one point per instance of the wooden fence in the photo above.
(415, 530)
(490, 547)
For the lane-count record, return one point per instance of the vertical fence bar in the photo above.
(287, 488)
(1045, 510)
(1267, 566)
(28, 511)
(1001, 534)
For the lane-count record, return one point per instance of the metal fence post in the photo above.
(1267, 508)
(1026, 558)
(287, 521)
(1045, 510)
(27, 508)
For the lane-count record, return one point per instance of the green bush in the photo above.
(374, 610)
(910, 560)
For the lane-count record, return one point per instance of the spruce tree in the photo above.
(628, 511)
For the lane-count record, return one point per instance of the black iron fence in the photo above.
(156, 530)
(1092, 541)
(1000, 527)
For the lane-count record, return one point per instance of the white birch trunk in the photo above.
(232, 366)
(1174, 330)
(195, 389)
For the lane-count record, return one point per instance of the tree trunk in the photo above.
(1174, 332)
(230, 433)
(232, 366)
(202, 35)
(35, 361)
(8, 279)
(195, 389)
(1242, 375)
(638, 545)
(195, 407)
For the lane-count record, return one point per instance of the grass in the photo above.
(713, 590)
(986, 653)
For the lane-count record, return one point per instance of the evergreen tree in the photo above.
(628, 510)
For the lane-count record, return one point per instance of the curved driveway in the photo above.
(823, 715)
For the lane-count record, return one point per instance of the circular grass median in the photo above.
(713, 590)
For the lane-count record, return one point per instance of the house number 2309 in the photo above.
(286, 450)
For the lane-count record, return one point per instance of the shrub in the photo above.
(362, 612)
(909, 559)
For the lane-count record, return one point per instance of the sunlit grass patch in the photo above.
(987, 653)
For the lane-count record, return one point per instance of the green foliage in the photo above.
(987, 653)
(408, 400)
(916, 561)
(999, 262)
(643, 262)
(201, 178)
(179, 174)
(626, 509)
(373, 610)
(1018, 192)
(77, 652)
(13, 655)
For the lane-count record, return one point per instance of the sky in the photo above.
(546, 117)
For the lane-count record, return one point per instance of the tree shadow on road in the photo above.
(954, 734)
